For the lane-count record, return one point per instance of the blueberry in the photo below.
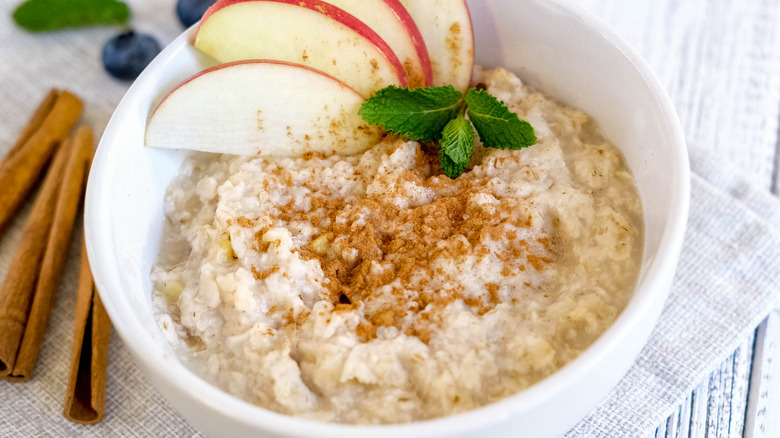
(190, 11)
(127, 54)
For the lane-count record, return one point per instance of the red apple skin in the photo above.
(249, 61)
(451, 50)
(471, 31)
(317, 134)
(333, 12)
(414, 32)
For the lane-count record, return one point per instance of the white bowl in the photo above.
(554, 47)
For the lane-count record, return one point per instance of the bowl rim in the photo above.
(153, 356)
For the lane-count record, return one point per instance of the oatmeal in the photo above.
(374, 289)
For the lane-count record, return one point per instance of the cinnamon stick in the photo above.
(86, 395)
(35, 122)
(46, 287)
(22, 169)
(16, 293)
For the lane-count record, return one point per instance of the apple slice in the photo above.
(446, 28)
(263, 107)
(392, 22)
(307, 32)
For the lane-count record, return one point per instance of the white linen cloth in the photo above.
(727, 281)
(728, 278)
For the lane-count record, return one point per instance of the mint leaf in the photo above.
(437, 113)
(456, 146)
(43, 15)
(457, 141)
(449, 167)
(497, 126)
(420, 113)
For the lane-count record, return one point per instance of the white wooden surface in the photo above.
(720, 63)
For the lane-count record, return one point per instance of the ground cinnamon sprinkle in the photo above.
(262, 275)
(262, 245)
(386, 260)
(245, 222)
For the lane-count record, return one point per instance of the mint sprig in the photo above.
(456, 146)
(438, 114)
(43, 15)
(497, 126)
(419, 114)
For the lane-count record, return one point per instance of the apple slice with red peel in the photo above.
(307, 32)
(446, 28)
(392, 22)
(263, 107)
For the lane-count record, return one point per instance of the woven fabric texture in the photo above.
(726, 283)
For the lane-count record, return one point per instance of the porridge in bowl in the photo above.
(373, 289)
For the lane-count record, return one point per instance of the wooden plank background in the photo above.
(720, 63)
